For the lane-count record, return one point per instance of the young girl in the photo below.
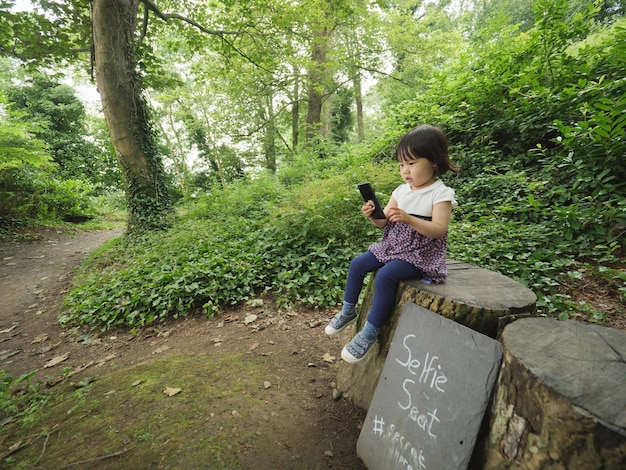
(414, 241)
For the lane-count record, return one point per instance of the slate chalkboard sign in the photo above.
(431, 395)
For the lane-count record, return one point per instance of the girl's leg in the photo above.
(359, 268)
(387, 279)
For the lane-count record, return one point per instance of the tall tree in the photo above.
(126, 113)
(121, 58)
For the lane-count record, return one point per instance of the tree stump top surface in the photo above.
(585, 363)
(479, 287)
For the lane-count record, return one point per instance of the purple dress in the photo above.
(400, 241)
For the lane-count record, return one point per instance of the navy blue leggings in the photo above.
(388, 277)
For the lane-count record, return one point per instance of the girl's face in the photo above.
(419, 173)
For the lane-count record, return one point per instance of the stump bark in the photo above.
(559, 402)
(478, 298)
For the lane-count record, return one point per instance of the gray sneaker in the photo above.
(357, 349)
(340, 322)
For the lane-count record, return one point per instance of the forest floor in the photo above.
(253, 387)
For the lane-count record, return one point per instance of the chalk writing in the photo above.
(378, 425)
(431, 370)
(402, 450)
(429, 373)
(424, 420)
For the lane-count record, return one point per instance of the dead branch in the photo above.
(168, 16)
(96, 459)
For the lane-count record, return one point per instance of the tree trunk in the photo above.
(358, 98)
(325, 125)
(126, 114)
(269, 145)
(316, 89)
(559, 402)
(295, 110)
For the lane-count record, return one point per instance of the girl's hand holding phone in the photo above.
(368, 208)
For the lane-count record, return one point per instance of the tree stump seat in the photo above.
(478, 298)
(559, 401)
(475, 297)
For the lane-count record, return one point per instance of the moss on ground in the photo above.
(125, 420)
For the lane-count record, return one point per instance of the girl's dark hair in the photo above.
(428, 142)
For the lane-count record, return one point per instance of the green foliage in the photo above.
(19, 398)
(33, 188)
(30, 194)
(253, 238)
(61, 122)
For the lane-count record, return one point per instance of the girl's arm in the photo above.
(436, 228)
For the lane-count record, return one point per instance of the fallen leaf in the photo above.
(253, 347)
(85, 382)
(8, 330)
(40, 339)
(7, 354)
(170, 392)
(15, 446)
(81, 368)
(328, 358)
(42, 350)
(56, 360)
(106, 359)
(84, 339)
(160, 350)
(249, 319)
(135, 383)
(255, 302)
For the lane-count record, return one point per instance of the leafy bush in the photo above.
(253, 238)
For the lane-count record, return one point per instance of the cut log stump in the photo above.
(478, 298)
(560, 400)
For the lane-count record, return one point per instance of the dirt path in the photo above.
(271, 402)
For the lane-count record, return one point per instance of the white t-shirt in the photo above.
(421, 201)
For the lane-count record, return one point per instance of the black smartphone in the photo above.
(368, 195)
